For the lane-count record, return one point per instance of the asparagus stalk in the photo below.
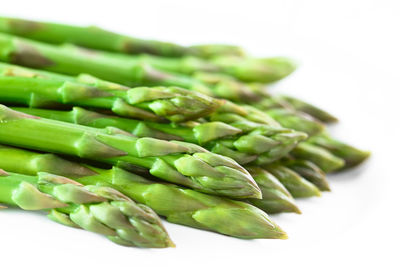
(309, 171)
(294, 183)
(240, 113)
(97, 38)
(310, 109)
(351, 155)
(179, 205)
(275, 198)
(174, 161)
(150, 103)
(243, 142)
(324, 159)
(69, 59)
(94, 208)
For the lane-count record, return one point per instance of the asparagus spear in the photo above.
(294, 183)
(150, 103)
(312, 110)
(94, 208)
(243, 142)
(309, 171)
(179, 205)
(351, 155)
(97, 38)
(327, 161)
(275, 198)
(69, 59)
(174, 161)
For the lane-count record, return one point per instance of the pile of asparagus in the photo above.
(105, 131)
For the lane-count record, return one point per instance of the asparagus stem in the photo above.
(177, 204)
(94, 208)
(177, 162)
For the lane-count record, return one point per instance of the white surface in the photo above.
(349, 54)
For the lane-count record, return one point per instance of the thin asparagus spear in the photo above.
(69, 59)
(312, 110)
(309, 171)
(97, 38)
(179, 205)
(275, 197)
(174, 161)
(351, 155)
(318, 155)
(294, 183)
(243, 142)
(94, 208)
(150, 103)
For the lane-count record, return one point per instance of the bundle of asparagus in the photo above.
(95, 119)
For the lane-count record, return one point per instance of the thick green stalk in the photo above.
(94, 208)
(173, 161)
(275, 198)
(324, 159)
(179, 205)
(351, 155)
(309, 171)
(150, 103)
(243, 142)
(294, 183)
(69, 59)
(97, 38)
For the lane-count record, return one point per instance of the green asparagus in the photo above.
(243, 142)
(69, 59)
(351, 155)
(150, 103)
(174, 161)
(275, 197)
(294, 183)
(178, 205)
(309, 171)
(324, 159)
(97, 38)
(94, 208)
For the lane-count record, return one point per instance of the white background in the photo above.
(349, 55)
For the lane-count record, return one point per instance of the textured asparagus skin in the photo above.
(275, 198)
(177, 162)
(309, 171)
(97, 38)
(327, 161)
(294, 183)
(150, 103)
(94, 208)
(69, 59)
(177, 204)
(243, 142)
(351, 155)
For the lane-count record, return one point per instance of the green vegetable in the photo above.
(350, 154)
(69, 59)
(179, 205)
(94, 208)
(173, 161)
(97, 38)
(275, 198)
(243, 142)
(324, 159)
(294, 183)
(309, 171)
(150, 103)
